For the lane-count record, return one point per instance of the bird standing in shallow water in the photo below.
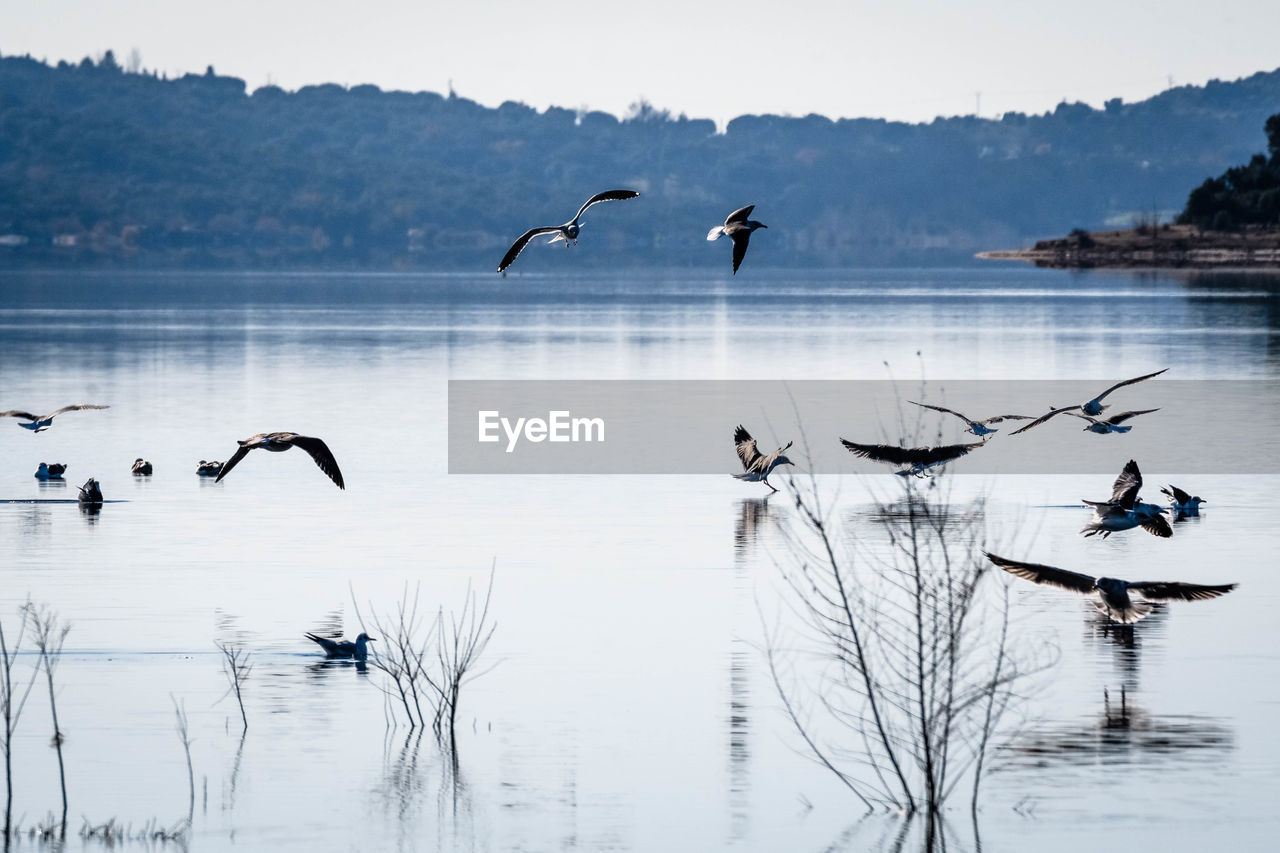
(40, 423)
(1113, 593)
(278, 442)
(141, 468)
(738, 228)
(567, 232)
(358, 650)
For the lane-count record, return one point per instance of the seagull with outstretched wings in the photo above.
(567, 232)
(278, 442)
(40, 423)
(737, 227)
(919, 459)
(1093, 407)
(975, 427)
(1124, 511)
(756, 466)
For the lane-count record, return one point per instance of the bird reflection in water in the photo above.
(753, 514)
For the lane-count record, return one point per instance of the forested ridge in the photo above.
(102, 166)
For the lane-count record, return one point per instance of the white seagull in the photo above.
(978, 428)
(1124, 511)
(756, 467)
(1113, 594)
(1182, 501)
(920, 459)
(40, 423)
(1093, 407)
(278, 442)
(567, 232)
(344, 648)
(738, 228)
(48, 471)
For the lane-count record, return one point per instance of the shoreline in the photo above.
(1165, 246)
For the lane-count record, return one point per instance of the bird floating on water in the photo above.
(975, 427)
(1113, 594)
(756, 467)
(738, 228)
(358, 650)
(208, 469)
(90, 492)
(1125, 511)
(40, 423)
(50, 471)
(919, 459)
(278, 442)
(1093, 407)
(567, 232)
(1111, 424)
(1182, 501)
(141, 467)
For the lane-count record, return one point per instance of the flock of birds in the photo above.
(1121, 601)
(737, 227)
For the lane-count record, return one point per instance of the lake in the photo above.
(628, 705)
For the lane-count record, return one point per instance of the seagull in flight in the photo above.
(1124, 511)
(40, 423)
(756, 467)
(738, 228)
(1111, 424)
(1182, 501)
(278, 442)
(1113, 594)
(358, 650)
(975, 427)
(920, 459)
(567, 232)
(1093, 408)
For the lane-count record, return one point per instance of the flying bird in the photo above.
(974, 427)
(40, 423)
(738, 228)
(920, 459)
(278, 442)
(358, 650)
(1124, 511)
(1113, 594)
(756, 467)
(1092, 408)
(50, 471)
(141, 468)
(1182, 501)
(1111, 424)
(567, 232)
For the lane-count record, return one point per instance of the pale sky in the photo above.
(899, 59)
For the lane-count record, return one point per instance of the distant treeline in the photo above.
(100, 165)
(1243, 195)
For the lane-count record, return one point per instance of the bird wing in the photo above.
(763, 463)
(739, 215)
(241, 452)
(14, 413)
(607, 195)
(1038, 573)
(1083, 417)
(746, 446)
(1177, 494)
(740, 239)
(75, 408)
(998, 418)
(320, 452)
(944, 410)
(909, 455)
(1177, 591)
(1125, 489)
(1157, 525)
(523, 240)
(1115, 420)
(1128, 382)
(1044, 418)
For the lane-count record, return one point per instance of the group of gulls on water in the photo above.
(737, 227)
(1121, 601)
(276, 442)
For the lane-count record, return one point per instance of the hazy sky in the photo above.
(899, 59)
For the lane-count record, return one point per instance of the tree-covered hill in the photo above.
(102, 166)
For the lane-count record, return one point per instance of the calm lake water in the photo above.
(630, 707)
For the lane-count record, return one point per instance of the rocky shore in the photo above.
(1152, 246)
